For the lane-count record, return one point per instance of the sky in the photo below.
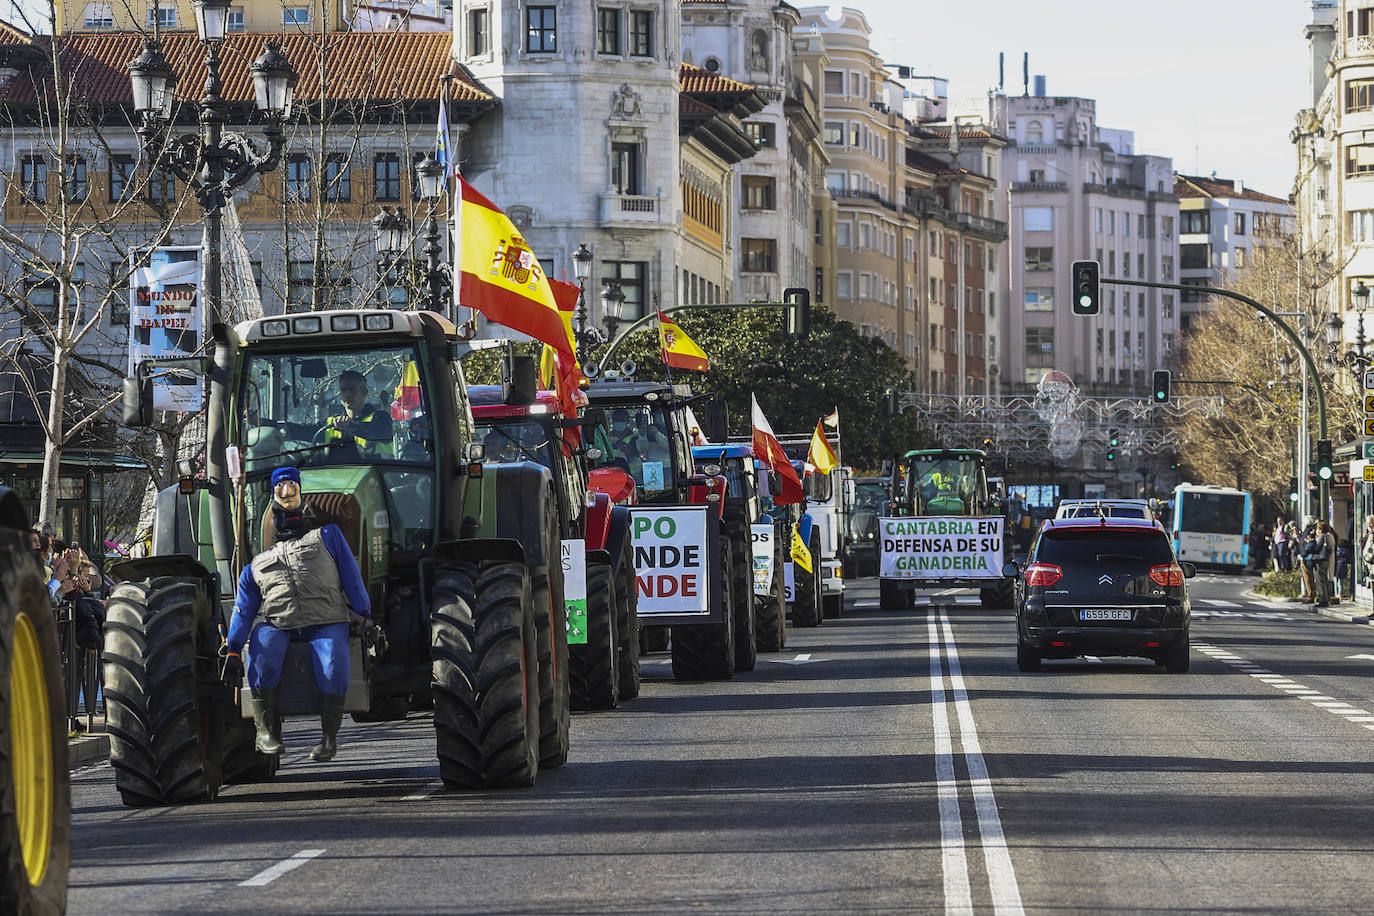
(1214, 84)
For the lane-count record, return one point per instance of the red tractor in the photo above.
(603, 646)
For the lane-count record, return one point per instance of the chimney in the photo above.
(1040, 86)
(1239, 186)
(1025, 73)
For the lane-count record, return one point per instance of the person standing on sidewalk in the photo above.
(1323, 556)
(1305, 550)
(1281, 546)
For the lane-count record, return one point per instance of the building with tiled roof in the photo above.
(305, 225)
(1223, 224)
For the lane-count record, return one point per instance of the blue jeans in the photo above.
(328, 651)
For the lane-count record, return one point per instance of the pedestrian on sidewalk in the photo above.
(1281, 546)
(1323, 557)
(1260, 538)
(1344, 588)
(1367, 551)
(1306, 551)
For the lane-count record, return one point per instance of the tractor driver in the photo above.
(304, 586)
(639, 442)
(366, 425)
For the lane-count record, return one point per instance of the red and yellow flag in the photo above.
(767, 449)
(822, 456)
(679, 351)
(501, 277)
(407, 395)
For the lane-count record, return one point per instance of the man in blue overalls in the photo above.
(304, 585)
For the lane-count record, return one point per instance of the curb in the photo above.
(1348, 618)
(81, 751)
(1319, 611)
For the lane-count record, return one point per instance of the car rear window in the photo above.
(1096, 545)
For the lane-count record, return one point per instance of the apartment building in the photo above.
(1222, 226)
(110, 16)
(1077, 191)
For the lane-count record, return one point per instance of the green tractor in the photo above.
(473, 625)
(35, 799)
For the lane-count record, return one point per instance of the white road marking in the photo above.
(1006, 894)
(1357, 715)
(268, 875)
(425, 792)
(953, 858)
(1217, 602)
(1334, 705)
(1292, 688)
(1093, 658)
(1370, 657)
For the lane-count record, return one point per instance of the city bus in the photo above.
(1211, 526)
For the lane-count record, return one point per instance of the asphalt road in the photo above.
(888, 762)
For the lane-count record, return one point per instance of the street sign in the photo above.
(1369, 473)
(1369, 381)
(1340, 479)
(1369, 451)
(1369, 403)
(1368, 427)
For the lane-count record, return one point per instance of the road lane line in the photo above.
(953, 857)
(1006, 894)
(425, 792)
(268, 875)
(1217, 602)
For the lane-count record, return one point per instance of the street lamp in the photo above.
(582, 270)
(438, 276)
(390, 228)
(612, 306)
(1354, 359)
(210, 162)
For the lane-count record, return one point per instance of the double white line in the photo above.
(1006, 895)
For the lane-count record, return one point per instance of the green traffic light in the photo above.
(1324, 473)
(1085, 301)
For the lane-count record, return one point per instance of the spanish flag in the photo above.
(679, 351)
(822, 456)
(501, 277)
(407, 395)
(800, 554)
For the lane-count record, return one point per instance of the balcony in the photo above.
(990, 229)
(629, 208)
(1359, 46)
(1039, 186)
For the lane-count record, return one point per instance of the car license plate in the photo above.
(1105, 613)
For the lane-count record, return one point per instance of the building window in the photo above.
(1040, 299)
(1037, 176)
(1167, 227)
(121, 177)
(235, 21)
(641, 33)
(98, 16)
(834, 133)
(844, 284)
(626, 168)
(298, 176)
(761, 132)
(1196, 221)
(386, 177)
(541, 32)
(1140, 226)
(75, 179)
(819, 293)
(1038, 258)
(1038, 219)
(1168, 300)
(338, 183)
(1040, 345)
(33, 179)
(1240, 224)
(843, 234)
(760, 192)
(1195, 257)
(479, 32)
(759, 255)
(162, 16)
(300, 282)
(1166, 268)
(631, 275)
(1035, 134)
(162, 186)
(1140, 266)
(295, 15)
(607, 31)
(1359, 95)
(1193, 295)
(1359, 160)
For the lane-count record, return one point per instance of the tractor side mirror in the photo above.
(137, 397)
(519, 380)
(717, 417)
(596, 417)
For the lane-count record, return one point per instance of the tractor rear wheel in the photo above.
(35, 800)
(653, 639)
(770, 616)
(742, 587)
(806, 597)
(627, 599)
(706, 651)
(999, 597)
(161, 746)
(595, 665)
(551, 622)
(486, 675)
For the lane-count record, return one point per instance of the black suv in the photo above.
(1102, 586)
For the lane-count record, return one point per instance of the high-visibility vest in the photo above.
(366, 447)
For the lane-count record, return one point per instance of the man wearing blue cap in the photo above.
(304, 585)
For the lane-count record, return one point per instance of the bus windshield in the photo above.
(1212, 513)
(943, 484)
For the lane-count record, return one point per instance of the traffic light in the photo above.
(1087, 287)
(1112, 440)
(798, 312)
(891, 407)
(1312, 484)
(1162, 379)
(1293, 489)
(1324, 470)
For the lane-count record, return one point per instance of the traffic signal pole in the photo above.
(1323, 486)
(799, 304)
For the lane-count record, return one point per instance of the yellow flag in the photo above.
(679, 350)
(822, 456)
(800, 555)
(548, 367)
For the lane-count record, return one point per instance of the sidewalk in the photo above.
(1347, 610)
(88, 747)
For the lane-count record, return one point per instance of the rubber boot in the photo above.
(265, 718)
(331, 716)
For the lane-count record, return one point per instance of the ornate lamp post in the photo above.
(213, 163)
(582, 270)
(390, 228)
(1354, 359)
(438, 275)
(612, 306)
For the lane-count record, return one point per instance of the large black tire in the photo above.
(1027, 659)
(1176, 660)
(653, 639)
(999, 597)
(551, 624)
(35, 798)
(627, 598)
(740, 570)
(385, 709)
(595, 665)
(486, 675)
(806, 599)
(770, 616)
(832, 606)
(892, 597)
(160, 749)
(706, 652)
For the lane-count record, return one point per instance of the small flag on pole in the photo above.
(679, 350)
(443, 147)
(833, 421)
(821, 456)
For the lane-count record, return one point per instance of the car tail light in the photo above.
(1042, 574)
(1169, 574)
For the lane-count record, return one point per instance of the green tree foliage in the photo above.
(796, 382)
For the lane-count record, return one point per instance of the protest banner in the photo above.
(763, 539)
(575, 590)
(670, 544)
(941, 547)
